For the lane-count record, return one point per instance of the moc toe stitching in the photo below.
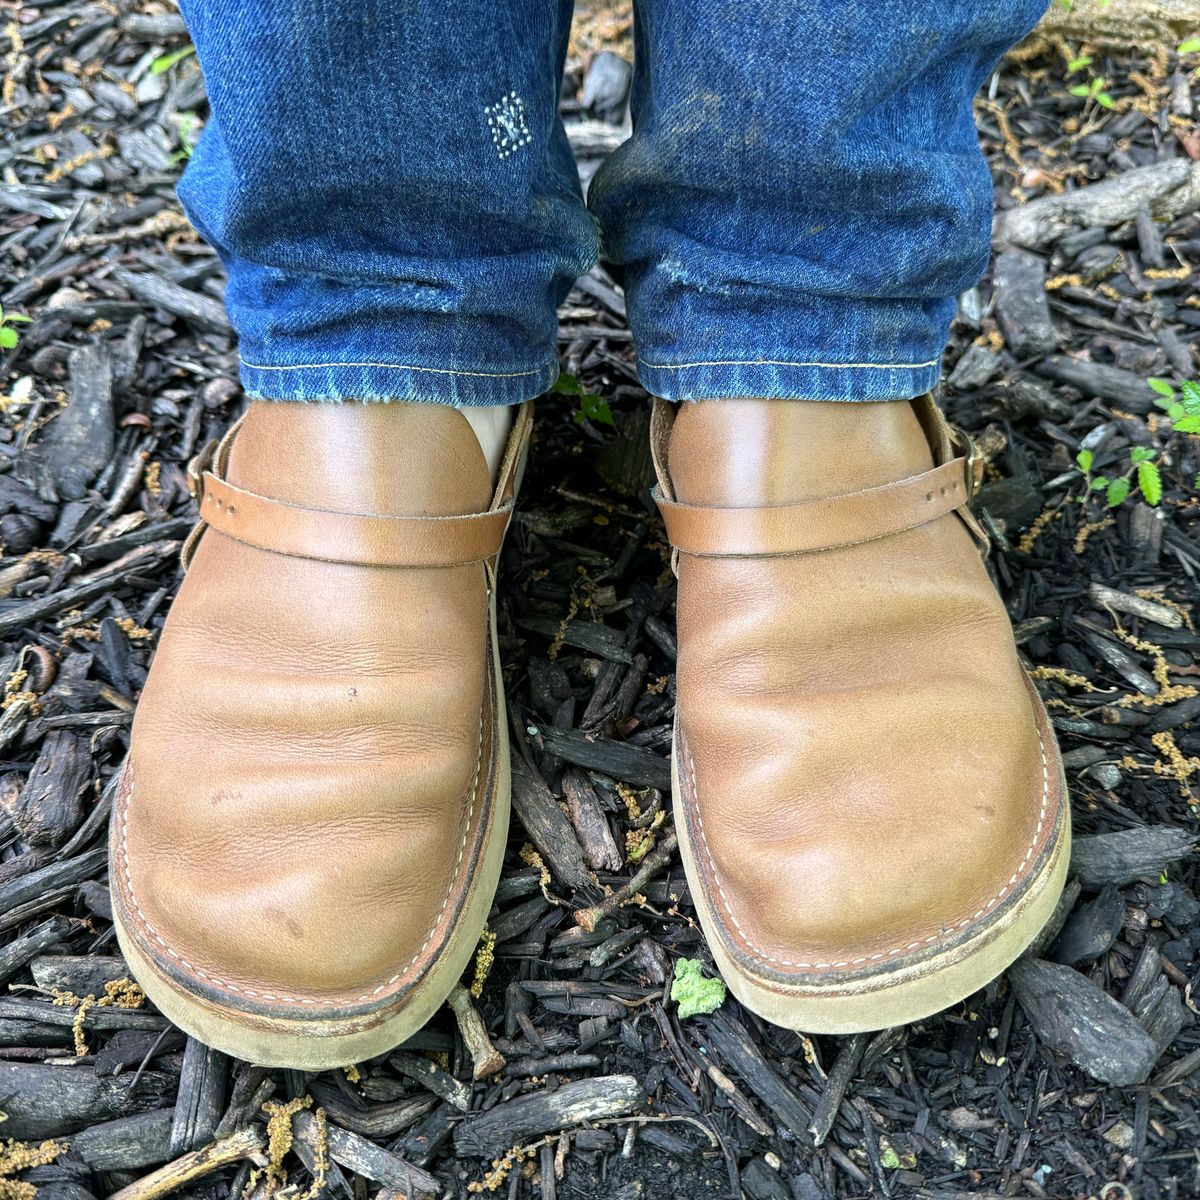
(772, 964)
(462, 847)
(147, 927)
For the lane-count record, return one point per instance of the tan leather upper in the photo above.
(867, 774)
(312, 757)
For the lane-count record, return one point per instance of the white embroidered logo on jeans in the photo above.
(506, 119)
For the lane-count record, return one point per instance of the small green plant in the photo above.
(1093, 92)
(1182, 406)
(892, 1158)
(9, 337)
(1078, 64)
(1191, 46)
(164, 62)
(591, 406)
(693, 991)
(188, 124)
(1142, 474)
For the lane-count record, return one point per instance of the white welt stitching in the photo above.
(123, 827)
(783, 362)
(393, 367)
(895, 950)
(457, 862)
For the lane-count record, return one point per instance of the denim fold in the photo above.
(804, 194)
(391, 189)
(392, 193)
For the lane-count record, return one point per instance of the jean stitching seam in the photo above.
(323, 366)
(780, 362)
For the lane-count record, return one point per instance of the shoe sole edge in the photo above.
(905, 992)
(317, 1045)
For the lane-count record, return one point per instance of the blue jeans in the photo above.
(395, 200)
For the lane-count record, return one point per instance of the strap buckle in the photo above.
(964, 443)
(200, 463)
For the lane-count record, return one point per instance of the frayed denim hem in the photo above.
(788, 380)
(336, 382)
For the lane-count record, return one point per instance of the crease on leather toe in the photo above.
(752, 953)
(226, 989)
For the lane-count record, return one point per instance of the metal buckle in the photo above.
(965, 444)
(196, 468)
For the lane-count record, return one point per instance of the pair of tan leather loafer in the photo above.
(310, 826)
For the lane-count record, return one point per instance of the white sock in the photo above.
(491, 423)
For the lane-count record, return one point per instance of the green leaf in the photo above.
(1083, 460)
(591, 406)
(1117, 491)
(8, 337)
(595, 408)
(1190, 396)
(1081, 89)
(1150, 482)
(1100, 483)
(1186, 424)
(1162, 387)
(567, 385)
(188, 124)
(892, 1159)
(1077, 64)
(693, 992)
(1141, 454)
(166, 61)
(15, 319)
(1104, 100)
(1191, 46)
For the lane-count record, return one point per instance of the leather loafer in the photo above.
(867, 791)
(310, 824)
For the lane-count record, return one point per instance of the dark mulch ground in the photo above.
(1075, 1076)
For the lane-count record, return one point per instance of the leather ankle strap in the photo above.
(356, 539)
(376, 541)
(820, 524)
(826, 523)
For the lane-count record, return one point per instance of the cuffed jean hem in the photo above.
(727, 379)
(383, 382)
